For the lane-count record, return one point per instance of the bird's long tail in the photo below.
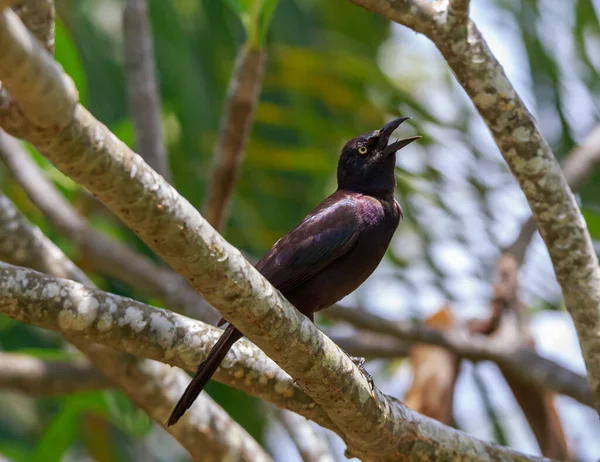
(205, 371)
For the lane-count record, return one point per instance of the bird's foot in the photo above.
(360, 363)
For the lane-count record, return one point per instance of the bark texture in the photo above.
(528, 156)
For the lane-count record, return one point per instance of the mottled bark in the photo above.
(49, 100)
(236, 122)
(85, 314)
(529, 158)
(374, 426)
(521, 361)
(142, 89)
(38, 377)
(578, 167)
(207, 430)
(38, 17)
(107, 256)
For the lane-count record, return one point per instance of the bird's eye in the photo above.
(362, 150)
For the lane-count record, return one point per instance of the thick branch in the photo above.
(374, 426)
(242, 99)
(142, 91)
(109, 257)
(85, 314)
(530, 159)
(577, 167)
(458, 12)
(38, 17)
(200, 432)
(523, 362)
(46, 93)
(34, 376)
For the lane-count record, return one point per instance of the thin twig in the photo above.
(142, 89)
(524, 362)
(241, 101)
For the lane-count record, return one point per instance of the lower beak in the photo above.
(397, 145)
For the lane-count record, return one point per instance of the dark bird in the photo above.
(334, 249)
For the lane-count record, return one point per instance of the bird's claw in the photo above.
(360, 363)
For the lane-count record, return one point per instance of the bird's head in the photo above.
(367, 162)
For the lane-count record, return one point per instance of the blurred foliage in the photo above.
(333, 71)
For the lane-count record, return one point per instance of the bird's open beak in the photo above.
(385, 134)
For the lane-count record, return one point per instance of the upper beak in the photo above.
(386, 132)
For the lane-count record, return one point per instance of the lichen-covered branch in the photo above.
(43, 90)
(201, 432)
(38, 17)
(240, 103)
(374, 427)
(142, 89)
(577, 167)
(108, 257)
(523, 362)
(529, 158)
(38, 377)
(85, 314)
(458, 12)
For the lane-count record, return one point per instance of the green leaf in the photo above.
(60, 434)
(266, 14)
(67, 55)
(592, 219)
(255, 16)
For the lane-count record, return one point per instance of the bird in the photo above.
(334, 249)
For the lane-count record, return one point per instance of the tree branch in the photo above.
(200, 434)
(523, 362)
(142, 91)
(374, 426)
(458, 12)
(49, 101)
(577, 167)
(85, 314)
(530, 159)
(38, 17)
(108, 257)
(34, 376)
(242, 99)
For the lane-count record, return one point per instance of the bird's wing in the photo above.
(323, 236)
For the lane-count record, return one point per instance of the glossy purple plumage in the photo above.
(334, 249)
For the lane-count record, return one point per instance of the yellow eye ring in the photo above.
(362, 150)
